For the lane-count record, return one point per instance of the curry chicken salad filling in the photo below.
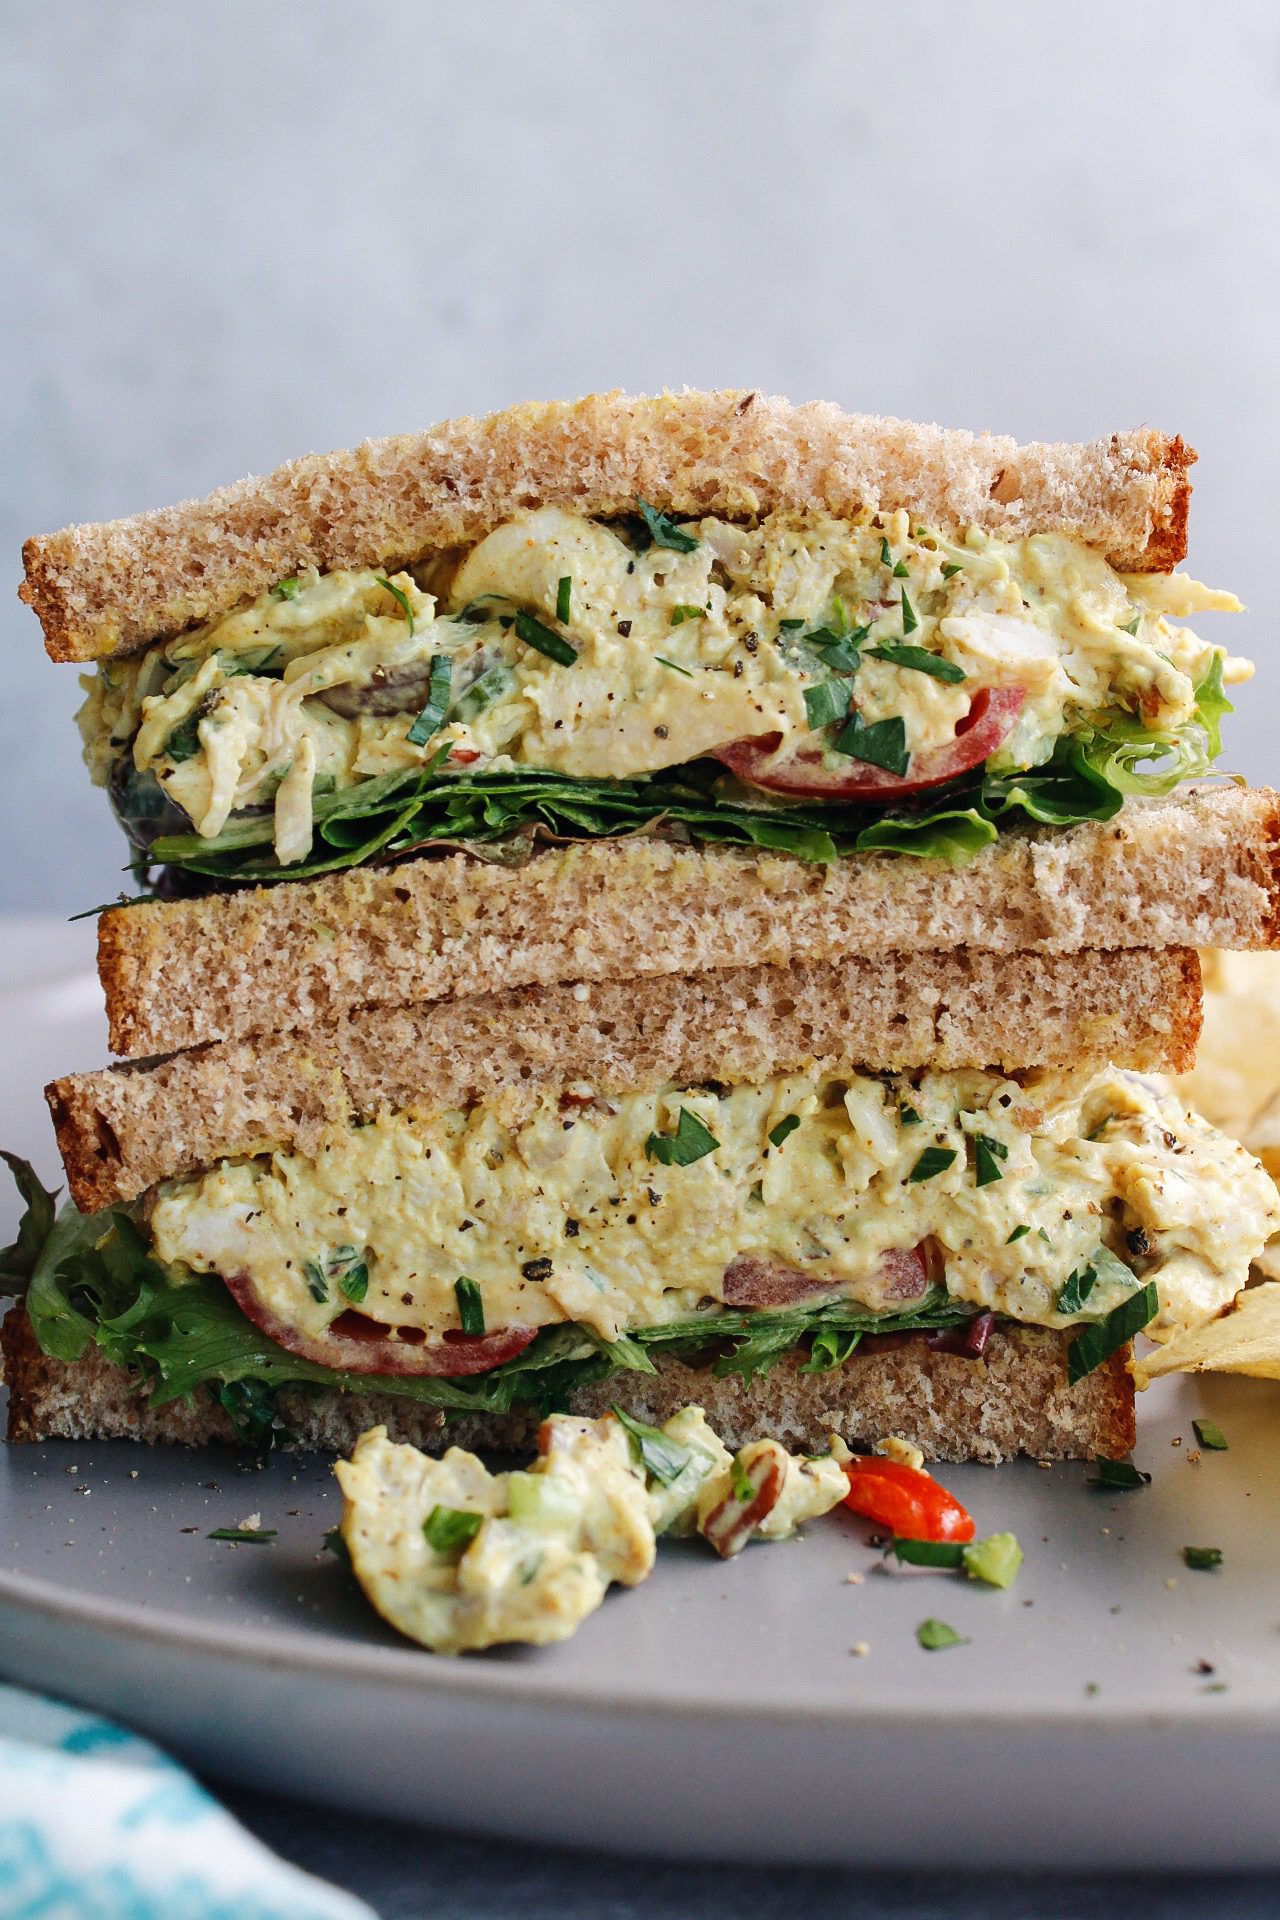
(827, 1206)
(791, 683)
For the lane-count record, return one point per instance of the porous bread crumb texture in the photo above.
(1198, 870)
(123, 1128)
(113, 588)
(1015, 1399)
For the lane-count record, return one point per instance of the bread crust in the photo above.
(1016, 1399)
(107, 589)
(1201, 869)
(123, 1128)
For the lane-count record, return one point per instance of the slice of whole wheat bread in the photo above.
(113, 588)
(125, 1127)
(1015, 1399)
(1198, 870)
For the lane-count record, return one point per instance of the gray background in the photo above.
(236, 232)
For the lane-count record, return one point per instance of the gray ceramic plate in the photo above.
(1113, 1708)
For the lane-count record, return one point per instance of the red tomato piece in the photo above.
(986, 726)
(910, 1504)
(354, 1343)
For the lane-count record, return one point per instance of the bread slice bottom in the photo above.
(1015, 1399)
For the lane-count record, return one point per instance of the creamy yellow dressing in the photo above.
(677, 654)
(560, 1212)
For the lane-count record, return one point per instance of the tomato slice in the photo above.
(985, 727)
(356, 1344)
(908, 1502)
(753, 1280)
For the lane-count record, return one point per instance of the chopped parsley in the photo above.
(663, 532)
(882, 743)
(1131, 626)
(919, 660)
(355, 1284)
(1118, 1476)
(987, 1155)
(1076, 1290)
(909, 621)
(674, 665)
(784, 1129)
(402, 600)
(184, 742)
(742, 1487)
(314, 1275)
(544, 640)
(450, 1530)
(433, 715)
(244, 1536)
(470, 1305)
(934, 1635)
(932, 1161)
(564, 598)
(927, 1553)
(1210, 1436)
(827, 702)
(886, 556)
(287, 589)
(691, 1141)
(1018, 1233)
(682, 613)
(662, 1458)
(1202, 1559)
(951, 568)
(907, 1116)
(1098, 1342)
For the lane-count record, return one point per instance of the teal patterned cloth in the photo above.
(96, 1824)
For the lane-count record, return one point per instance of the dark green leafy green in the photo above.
(932, 1161)
(664, 532)
(1019, 1233)
(1118, 1476)
(1098, 1342)
(470, 1305)
(1076, 1290)
(987, 1155)
(287, 589)
(784, 1129)
(691, 1141)
(544, 639)
(927, 1553)
(433, 715)
(878, 743)
(564, 599)
(909, 620)
(828, 701)
(662, 1458)
(907, 1116)
(1207, 1432)
(18, 1262)
(919, 660)
(1202, 1559)
(401, 599)
(244, 1536)
(682, 613)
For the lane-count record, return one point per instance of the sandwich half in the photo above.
(761, 643)
(805, 1198)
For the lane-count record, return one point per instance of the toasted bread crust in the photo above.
(113, 588)
(122, 1129)
(1201, 870)
(1016, 1399)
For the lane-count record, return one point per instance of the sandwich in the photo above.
(933, 1196)
(636, 685)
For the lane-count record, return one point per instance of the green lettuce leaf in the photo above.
(93, 1279)
(504, 816)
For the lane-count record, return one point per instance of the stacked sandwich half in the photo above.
(648, 901)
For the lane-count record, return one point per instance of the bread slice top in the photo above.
(122, 1129)
(100, 590)
(1200, 870)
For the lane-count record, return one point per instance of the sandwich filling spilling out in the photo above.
(806, 683)
(508, 1252)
